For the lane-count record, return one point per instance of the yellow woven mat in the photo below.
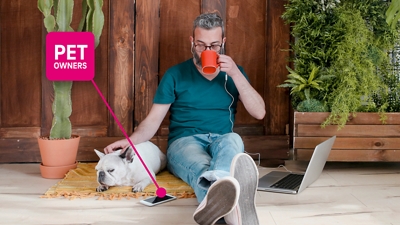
(81, 183)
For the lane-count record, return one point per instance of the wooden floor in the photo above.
(346, 193)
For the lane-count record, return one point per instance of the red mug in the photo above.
(209, 63)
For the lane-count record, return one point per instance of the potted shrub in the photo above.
(59, 149)
(355, 82)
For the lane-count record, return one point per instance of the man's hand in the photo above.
(116, 145)
(251, 99)
(227, 65)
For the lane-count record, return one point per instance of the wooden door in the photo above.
(140, 41)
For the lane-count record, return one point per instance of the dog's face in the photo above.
(113, 168)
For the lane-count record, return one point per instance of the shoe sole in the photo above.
(220, 200)
(244, 170)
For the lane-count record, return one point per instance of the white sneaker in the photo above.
(234, 217)
(245, 171)
(221, 198)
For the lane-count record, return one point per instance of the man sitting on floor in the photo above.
(202, 149)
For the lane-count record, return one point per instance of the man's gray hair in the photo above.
(209, 21)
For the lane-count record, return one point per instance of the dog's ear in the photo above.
(128, 154)
(99, 154)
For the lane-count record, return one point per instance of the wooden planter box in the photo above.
(363, 138)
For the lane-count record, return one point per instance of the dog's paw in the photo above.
(138, 188)
(101, 188)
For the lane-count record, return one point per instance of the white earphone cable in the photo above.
(233, 99)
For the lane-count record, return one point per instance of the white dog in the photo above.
(126, 169)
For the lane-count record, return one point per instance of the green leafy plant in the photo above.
(306, 88)
(393, 13)
(348, 40)
(354, 68)
(388, 97)
(300, 85)
(58, 17)
(311, 105)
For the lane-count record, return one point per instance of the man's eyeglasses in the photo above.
(202, 47)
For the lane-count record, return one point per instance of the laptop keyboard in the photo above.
(291, 181)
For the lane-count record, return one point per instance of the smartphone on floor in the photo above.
(155, 200)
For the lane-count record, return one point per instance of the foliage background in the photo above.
(349, 42)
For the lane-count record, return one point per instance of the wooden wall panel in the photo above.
(146, 56)
(245, 36)
(121, 65)
(214, 6)
(176, 26)
(20, 39)
(47, 92)
(277, 40)
(88, 109)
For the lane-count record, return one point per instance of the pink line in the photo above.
(124, 132)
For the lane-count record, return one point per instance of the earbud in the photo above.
(192, 44)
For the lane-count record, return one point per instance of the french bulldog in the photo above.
(125, 168)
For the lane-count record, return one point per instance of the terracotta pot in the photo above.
(58, 152)
(56, 172)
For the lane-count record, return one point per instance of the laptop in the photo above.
(294, 183)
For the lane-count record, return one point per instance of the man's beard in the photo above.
(197, 59)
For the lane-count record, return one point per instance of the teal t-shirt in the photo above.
(198, 105)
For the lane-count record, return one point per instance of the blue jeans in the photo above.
(201, 159)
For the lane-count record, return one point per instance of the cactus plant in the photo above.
(58, 17)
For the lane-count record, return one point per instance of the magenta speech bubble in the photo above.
(70, 56)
